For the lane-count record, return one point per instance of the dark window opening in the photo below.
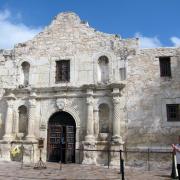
(173, 112)
(165, 66)
(103, 118)
(25, 69)
(63, 71)
(23, 120)
(122, 73)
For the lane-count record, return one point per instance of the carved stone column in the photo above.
(16, 117)
(117, 142)
(8, 136)
(31, 117)
(116, 137)
(89, 143)
(90, 120)
(96, 120)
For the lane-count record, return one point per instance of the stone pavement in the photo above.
(13, 171)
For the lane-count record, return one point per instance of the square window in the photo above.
(122, 73)
(173, 112)
(63, 71)
(165, 66)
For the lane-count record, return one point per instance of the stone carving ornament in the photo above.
(90, 100)
(60, 104)
(116, 99)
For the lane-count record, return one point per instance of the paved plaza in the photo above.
(13, 171)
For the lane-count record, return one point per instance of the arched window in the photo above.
(103, 69)
(23, 119)
(25, 70)
(103, 118)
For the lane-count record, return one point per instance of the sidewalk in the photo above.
(13, 171)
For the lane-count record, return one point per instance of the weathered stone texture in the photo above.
(68, 38)
(147, 94)
(137, 105)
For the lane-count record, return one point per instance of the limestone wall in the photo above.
(142, 110)
(147, 95)
(68, 37)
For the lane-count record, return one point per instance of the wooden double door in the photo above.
(61, 139)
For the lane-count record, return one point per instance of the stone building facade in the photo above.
(76, 87)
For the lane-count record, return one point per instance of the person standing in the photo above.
(176, 150)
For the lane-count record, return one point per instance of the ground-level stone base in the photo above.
(116, 154)
(97, 152)
(18, 150)
(89, 153)
(102, 152)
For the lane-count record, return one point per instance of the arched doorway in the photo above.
(61, 138)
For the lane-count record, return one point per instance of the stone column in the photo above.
(89, 157)
(90, 120)
(96, 120)
(8, 136)
(116, 137)
(16, 113)
(31, 117)
(117, 142)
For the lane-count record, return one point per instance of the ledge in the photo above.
(55, 89)
(18, 142)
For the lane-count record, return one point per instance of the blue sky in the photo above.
(155, 22)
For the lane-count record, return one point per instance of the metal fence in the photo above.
(149, 159)
(132, 157)
(146, 159)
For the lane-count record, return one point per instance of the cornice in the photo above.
(65, 91)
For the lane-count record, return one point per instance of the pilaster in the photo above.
(8, 136)
(31, 117)
(96, 119)
(116, 137)
(90, 120)
(89, 143)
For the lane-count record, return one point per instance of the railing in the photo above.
(148, 159)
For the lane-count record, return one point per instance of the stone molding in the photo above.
(71, 111)
(116, 99)
(10, 100)
(90, 100)
(32, 100)
(52, 92)
(32, 103)
(10, 104)
(33, 95)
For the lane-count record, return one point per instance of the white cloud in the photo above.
(148, 42)
(13, 33)
(175, 41)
